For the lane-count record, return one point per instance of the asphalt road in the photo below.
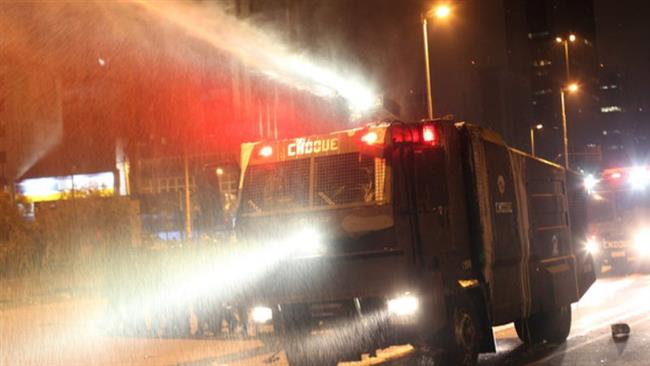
(68, 333)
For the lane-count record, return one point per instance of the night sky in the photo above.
(154, 72)
(623, 32)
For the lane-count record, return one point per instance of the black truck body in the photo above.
(428, 233)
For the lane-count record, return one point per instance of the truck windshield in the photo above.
(601, 211)
(320, 182)
(619, 206)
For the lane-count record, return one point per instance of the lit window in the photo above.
(610, 109)
(538, 35)
(542, 63)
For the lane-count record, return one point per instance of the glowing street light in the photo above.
(571, 88)
(439, 12)
(538, 126)
(565, 43)
(442, 11)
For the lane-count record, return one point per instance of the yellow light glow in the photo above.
(403, 305)
(592, 246)
(262, 314)
(572, 37)
(642, 242)
(442, 11)
(573, 87)
(219, 171)
(558, 39)
(370, 138)
(539, 126)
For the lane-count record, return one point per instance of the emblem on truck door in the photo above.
(501, 184)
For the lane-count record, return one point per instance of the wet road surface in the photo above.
(66, 333)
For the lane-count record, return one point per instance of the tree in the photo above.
(19, 245)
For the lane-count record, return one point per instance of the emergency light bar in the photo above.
(266, 151)
(370, 138)
(429, 134)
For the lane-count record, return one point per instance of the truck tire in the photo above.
(598, 267)
(529, 330)
(557, 324)
(463, 336)
(553, 326)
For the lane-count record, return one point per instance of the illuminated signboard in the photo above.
(342, 142)
(55, 188)
(303, 146)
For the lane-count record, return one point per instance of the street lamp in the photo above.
(565, 43)
(439, 12)
(538, 126)
(571, 88)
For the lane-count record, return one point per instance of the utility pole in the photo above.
(427, 67)
(188, 204)
(565, 136)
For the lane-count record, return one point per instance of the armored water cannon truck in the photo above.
(619, 219)
(424, 233)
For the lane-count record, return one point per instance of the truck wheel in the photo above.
(557, 324)
(553, 326)
(529, 330)
(598, 268)
(464, 337)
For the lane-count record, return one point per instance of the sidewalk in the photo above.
(45, 287)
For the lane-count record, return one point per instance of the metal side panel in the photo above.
(482, 201)
(519, 164)
(577, 198)
(498, 218)
(552, 264)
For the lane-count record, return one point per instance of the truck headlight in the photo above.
(642, 242)
(639, 178)
(307, 243)
(403, 305)
(262, 314)
(590, 183)
(592, 246)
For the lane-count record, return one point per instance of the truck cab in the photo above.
(426, 233)
(619, 219)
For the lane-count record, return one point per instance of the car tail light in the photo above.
(266, 151)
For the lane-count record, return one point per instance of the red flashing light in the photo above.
(616, 175)
(266, 151)
(370, 138)
(429, 134)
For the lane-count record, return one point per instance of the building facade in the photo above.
(551, 25)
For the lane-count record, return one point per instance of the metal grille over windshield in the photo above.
(277, 186)
(344, 179)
